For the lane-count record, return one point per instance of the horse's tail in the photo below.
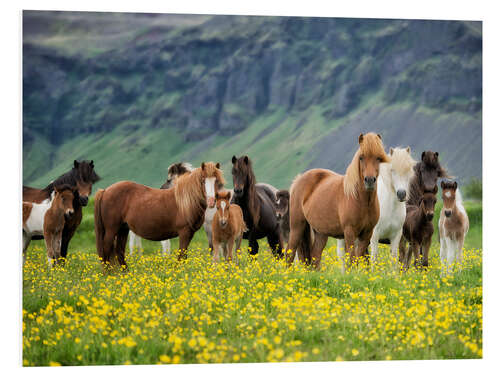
(305, 244)
(98, 223)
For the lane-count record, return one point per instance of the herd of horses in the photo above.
(381, 198)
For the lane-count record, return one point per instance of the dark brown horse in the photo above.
(257, 203)
(324, 203)
(283, 213)
(154, 214)
(427, 172)
(418, 230)
(82, 176)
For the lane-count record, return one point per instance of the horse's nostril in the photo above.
(401, 194)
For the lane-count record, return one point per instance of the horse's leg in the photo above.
(252, 242)
(276, 244)
(121, 243)
(426, 245)
(185, 237)
(238, 246)
(131, 243)
(350, 238)
(394, 246)
(341, 253)
(319, 243)
(374, 248)
(166, 247)
(460, 250)
(362, 245)
(229, 249)
(26, 242)
(402, 249)
(443, 254)
(207, 225)
(69, 230)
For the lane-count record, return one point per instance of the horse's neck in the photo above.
(367, 198)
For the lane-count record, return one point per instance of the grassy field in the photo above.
(162, 311)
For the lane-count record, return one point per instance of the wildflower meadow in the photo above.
(162, 311)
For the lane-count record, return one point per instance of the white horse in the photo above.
(392, 186)
(174, 170)
(453, 226)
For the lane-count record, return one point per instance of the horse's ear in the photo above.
(436, 154)
(76, 163)
(378, 135)
(217, 195)
(442, 184)
(455, 185)
(92, 163)
(203, 166)
(423, 154)
(435, 190)
(217, 165)
(233, 160)
(245, 159)
(391, 151)
(360, 138)
(408, 149)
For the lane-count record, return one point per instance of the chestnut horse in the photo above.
(174, 170)
(258, 205)
(228, 227)
(343, 207)
(81, 176)
(154, 214)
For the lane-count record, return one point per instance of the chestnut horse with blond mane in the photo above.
(325, 204)
(154, 214)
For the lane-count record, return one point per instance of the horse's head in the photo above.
(370, 154)
(223, 199)
(63, 199)
(282, 199)
(430, 170)
(243, 176)
(176, 170)
(401, 171)
(213, 179)
(449, 190)
(85, 177)
(428, 202)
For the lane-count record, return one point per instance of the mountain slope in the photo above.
(138, 92)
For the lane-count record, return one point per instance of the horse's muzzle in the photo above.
(84, 200)
(238, 192)
(447, 213)
(69, 214)
(429, 216)
(370, 183)
(401, 195)
(223, 223)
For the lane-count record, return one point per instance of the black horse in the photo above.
(257, 204)
(81, 176)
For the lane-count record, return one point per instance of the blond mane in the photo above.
(401, 161)
(371, 145)
(189, 191)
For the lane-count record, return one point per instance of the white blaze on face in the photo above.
(447, 194)
(210, 191)
(223, 206)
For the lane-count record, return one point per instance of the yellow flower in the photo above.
(355, 352)
(51, 363)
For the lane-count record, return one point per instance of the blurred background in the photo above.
(137, 92)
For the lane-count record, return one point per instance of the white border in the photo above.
(11, 155)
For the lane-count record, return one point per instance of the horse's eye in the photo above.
(361, 158)
(379, 159)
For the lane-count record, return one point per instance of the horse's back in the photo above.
(307, 185)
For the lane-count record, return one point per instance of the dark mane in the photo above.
(81, 171)
(430, 161)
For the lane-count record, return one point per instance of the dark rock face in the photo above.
(215, 78)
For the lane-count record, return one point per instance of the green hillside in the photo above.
(137, 92)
